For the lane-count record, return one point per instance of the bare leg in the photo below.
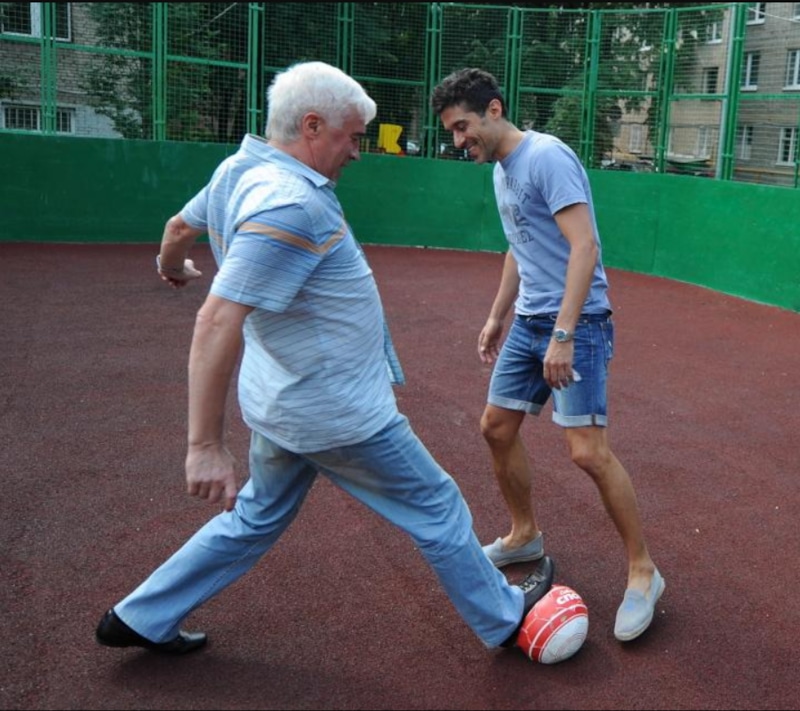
(590, 451)
(500, 429)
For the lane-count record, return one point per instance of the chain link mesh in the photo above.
(711, 91)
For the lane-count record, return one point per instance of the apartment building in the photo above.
(22, 70)
(768, 96)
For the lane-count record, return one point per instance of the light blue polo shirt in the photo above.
(314, 372)
(541, 176)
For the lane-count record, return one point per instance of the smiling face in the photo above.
(481, 136)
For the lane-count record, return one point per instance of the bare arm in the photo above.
(575, 224)
(489, 338)
(215, 349)
(174, 267)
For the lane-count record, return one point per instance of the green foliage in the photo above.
(8, 86)
(206, 101)
(118, 85)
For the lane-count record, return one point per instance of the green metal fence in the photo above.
(710, 91)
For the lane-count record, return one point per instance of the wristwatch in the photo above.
(562, 336)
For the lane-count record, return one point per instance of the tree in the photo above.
(205, 101)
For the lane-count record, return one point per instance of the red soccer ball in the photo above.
(556, 626)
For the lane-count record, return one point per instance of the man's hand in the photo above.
(211, 475)
(489, 340)
(178, 277)
(557, 367)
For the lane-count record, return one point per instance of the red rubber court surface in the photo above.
(344, 613)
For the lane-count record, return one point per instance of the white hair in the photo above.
(318, 87)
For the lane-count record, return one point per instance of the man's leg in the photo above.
(224, 548)
(590, 451)
(500, 428)
(395, 475)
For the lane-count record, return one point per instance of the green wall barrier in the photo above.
(736, 238)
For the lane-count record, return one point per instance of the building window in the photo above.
(793, 69)
(796, 10)
(750, 70)
(64, 121)
(635, 138)
(17, 117)
(21, 118)
(710, 78)
(703, 139)
(745, 141)
(786, 146)
(25, 18)
(714, 33)
(756, 13)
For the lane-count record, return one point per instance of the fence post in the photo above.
(666, 84)
(589, 99)
(159, 71)
(513, 61)
(49, 75)
(345, 31)
(255, 68)
(433, 58)
(731, 107)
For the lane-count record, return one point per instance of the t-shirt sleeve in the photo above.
(269, 259)
(558, 174)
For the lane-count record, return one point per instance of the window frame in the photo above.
(35, 12)
(65, 117)
(752, 64)
(714, 32)
(756, 13)
(745, 142)
(708, 72)
(635, 138)
(792, 80)
(703, 140)
(787, 133)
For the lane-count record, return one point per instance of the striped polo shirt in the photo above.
(313, 374)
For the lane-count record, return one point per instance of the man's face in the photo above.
(475, 133)
(336, 147)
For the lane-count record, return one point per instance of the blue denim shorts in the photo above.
(518, 382)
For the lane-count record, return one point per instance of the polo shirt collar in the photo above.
(258, 147)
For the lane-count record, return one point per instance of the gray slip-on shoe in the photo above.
(636, 611)
(500, 556)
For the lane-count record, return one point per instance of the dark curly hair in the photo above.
(474, 88)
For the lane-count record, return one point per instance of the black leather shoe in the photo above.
(535, 587)
(113, 632)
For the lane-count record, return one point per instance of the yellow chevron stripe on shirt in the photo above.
(294, 240)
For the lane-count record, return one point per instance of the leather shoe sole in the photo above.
(113, 632)
(534, 587)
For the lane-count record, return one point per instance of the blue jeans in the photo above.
(392, 473)
(518, 382)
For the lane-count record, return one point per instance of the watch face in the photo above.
(561, 335)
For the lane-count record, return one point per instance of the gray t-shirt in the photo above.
(541, 176)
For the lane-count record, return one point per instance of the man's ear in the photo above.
(495, 108)
(311, 124)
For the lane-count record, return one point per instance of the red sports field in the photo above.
(344, 613)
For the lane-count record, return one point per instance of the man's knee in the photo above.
(499, 427)
(588, 449)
